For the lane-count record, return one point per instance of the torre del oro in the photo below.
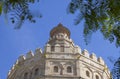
(60, 59)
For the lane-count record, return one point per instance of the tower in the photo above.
(60, 59)
(61, 54)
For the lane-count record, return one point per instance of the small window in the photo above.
(69, 69)
(52, 48)
(36, 71)
(26, 75)
(55, 68)
(87, 73)
(97, 77)
(62, 48)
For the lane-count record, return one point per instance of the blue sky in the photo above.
(13, 43)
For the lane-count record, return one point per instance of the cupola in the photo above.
(59, 30)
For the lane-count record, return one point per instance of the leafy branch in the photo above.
(103, 15)
(18, 10)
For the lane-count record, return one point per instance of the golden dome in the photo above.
(59, 29)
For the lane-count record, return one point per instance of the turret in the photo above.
(60, 41)
(59, 33)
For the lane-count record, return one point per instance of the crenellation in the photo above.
(38, 52)
(85, 53)
(109, 72)
(77, 49)
(100, 60)
(29, 55)
(21, 58)
(13, 67)
(16, 62)
(93, 56)
(106, 69)
(71, 40)
(9, 72)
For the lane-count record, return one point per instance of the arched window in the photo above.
(87, 73)
(55, 68)
(96, 77)
(69, 69)
(36, 71)
(26, 75)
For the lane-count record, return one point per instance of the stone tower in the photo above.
(61, 59)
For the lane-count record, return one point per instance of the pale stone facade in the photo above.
(61, 59)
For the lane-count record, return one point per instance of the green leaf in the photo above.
(0, 8)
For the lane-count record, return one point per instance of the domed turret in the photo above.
(59, 29)
(60, 40)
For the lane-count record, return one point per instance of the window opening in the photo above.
(55, 68)
(69, 69)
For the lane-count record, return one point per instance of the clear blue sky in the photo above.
(13, 43)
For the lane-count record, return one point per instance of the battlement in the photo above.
(23, 58)
(38, 53)
(93, 57)
(30, 54)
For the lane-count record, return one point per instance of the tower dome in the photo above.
(59, 29)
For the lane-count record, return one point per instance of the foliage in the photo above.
(116, 70)
(103, 15)
(0, 7)
(18, 10)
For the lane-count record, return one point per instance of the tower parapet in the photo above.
(22, 60)
(93, 57)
